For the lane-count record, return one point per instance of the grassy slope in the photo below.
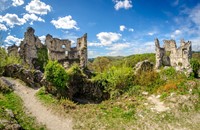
(12, 102)
(130, 111)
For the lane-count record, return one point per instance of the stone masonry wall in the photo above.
(170, 55)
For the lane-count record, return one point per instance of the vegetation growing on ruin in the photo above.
(41, 61)
(7, 60)
(56, 74)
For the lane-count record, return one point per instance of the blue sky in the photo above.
(114, 27)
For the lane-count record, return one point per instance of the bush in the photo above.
(195, 66)
(116, 80)
(56, 74)
(42, 54)
(5, 59)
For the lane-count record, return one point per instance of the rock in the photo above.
(10, 113)
(32, 78)
(143, 66)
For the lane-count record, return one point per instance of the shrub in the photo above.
(149, 80)
(116, 80)
(42, 59)
(56, 74)
(5, 59)
(195, 66)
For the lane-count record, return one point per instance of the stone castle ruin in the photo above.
(170, 55)
(62, 51)
(58, 49)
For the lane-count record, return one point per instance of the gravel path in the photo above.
(42, 113)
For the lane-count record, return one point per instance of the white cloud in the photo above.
(94, 44)
(42, 38)
(12, 20)
(131, 30)
(17, 2)
(118, 49)
(122, 28)
(119, 46)
(38, 7)
(3, 27)
(176, 33)
(65, 23)
(107, 38)
(126, 4)
(151, 33)
(10, 40)
(33, 17)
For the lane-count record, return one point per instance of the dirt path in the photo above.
(42, 114)
(158, 105)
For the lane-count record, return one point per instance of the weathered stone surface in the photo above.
(30, 77)
(13, 50)
(29, 46)
(170, 55)
(9, 122)
(143, 66)
(58, 49)
(61, 51)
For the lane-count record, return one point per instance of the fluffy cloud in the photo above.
(176, 33)
(107, 38)
(122, 28)
(118, 49)
(38, 7)
(42, 38)
(12, 20)
(126, 4)
(130, 29)
(151, 33)
(17, 2)
(33, 17)
(3, 27)
(10, 40)
(65, 23)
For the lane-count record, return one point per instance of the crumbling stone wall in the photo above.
(13, 50)
(61, 51)
(170, 55)
(58, 49)
(29, 46)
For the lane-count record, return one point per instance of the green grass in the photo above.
(12, 102)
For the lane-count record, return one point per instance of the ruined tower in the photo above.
(29, 46)
(170, 55)
(62, 51)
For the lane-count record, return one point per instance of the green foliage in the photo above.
(100, 64)
(150, 80)
(12, 102)
(131, 61)
(5, 59)
(168, 72)
(56, 74)
(116, 80)
(195, 66)
(42, 60)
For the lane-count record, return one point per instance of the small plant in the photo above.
(195, 67)
(56, 74)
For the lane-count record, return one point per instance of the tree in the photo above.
(100, 64)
